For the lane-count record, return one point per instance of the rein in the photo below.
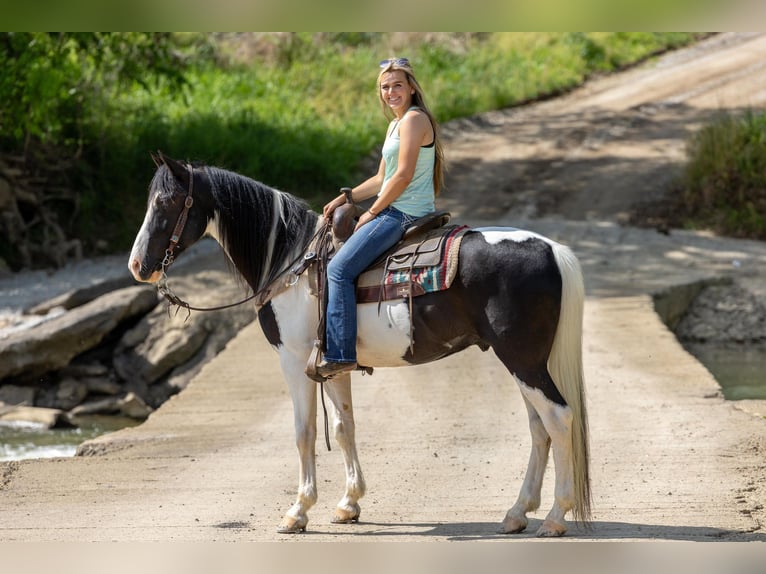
(262, 296)
(162, 285)
(164, 289)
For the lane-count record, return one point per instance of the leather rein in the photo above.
(262, 296)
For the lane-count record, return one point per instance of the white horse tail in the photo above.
(566, 369)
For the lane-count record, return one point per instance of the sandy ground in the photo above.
(444, 446)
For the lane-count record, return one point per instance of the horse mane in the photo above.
(263, 230)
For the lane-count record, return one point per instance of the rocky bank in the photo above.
(106, 345)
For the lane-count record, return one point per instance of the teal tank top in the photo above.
(418, 197)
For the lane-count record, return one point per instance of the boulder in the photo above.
(176, 345)
(16, 395)
(101, 385)
(49, 418)
(70, 393)
(725, 314)
(84, 370)
(51, 345)
(160, 345)
(129, 405)
(78, 297)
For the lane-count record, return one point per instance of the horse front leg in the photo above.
(339, 391)
(529, 495)
(304, 395)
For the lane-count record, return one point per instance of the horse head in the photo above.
(177, 214)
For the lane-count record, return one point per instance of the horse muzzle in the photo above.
(141, 273)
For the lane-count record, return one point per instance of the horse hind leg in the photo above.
(529, 496)
(339, 391)
(557, 419)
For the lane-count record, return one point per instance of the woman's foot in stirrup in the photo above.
(329, 369)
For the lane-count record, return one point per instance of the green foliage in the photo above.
(725, 178)
(300, 113)
(51, 81)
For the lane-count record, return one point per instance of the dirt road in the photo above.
(444, 446)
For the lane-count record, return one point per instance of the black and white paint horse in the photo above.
(515, 292)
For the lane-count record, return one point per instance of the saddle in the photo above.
(425, 260)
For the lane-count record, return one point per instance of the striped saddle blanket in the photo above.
(422, 264)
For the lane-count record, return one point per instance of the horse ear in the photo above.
(178, 169)
(157, 159)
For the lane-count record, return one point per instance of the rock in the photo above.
(725, 314)
(51, 345)
(81, 370)
(163, 345)
(129, 405)
(101, 385)
(70, 393)
(16, 395)
(132, 406)
(78, 297)
(176, 346)
(50, 418)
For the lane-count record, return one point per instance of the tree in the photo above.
(53, 87)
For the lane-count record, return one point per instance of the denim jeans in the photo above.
(359, 252)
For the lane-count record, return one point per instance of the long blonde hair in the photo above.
(418, 99)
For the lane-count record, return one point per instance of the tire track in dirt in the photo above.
(596, 153)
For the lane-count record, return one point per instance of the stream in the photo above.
(741, 371)
(23, 440)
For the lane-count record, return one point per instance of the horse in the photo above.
(516, 292)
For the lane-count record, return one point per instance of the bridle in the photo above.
(180, 224)
(262, 297)
(162, 285)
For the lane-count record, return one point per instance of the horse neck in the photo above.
(262, 230)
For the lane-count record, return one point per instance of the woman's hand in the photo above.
(328, 209)
(366, 217)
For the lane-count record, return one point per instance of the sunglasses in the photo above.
(395, 62)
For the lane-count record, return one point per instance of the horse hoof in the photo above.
(551, 529)
(344, 516)
(290, 525)
(513, 525)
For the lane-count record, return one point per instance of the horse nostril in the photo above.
(135, 267)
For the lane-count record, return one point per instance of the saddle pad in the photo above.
(424, 264)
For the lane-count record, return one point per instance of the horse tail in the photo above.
(566, 369)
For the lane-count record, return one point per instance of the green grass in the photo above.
(303, 114)
(724, 184)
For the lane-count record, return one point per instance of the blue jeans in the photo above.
(359, 252)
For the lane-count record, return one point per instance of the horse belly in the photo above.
(383, 339)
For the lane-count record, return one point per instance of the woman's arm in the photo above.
(414, 129)
(364, 190)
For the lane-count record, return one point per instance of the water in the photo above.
(23, 440)
(741, 371)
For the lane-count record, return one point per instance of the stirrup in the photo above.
(314, 359)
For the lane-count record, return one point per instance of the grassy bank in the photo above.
(302, 111)
(724, 183)
(296, 111)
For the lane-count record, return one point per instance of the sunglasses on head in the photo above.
(395, 62)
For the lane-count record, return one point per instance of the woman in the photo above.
(408, 179)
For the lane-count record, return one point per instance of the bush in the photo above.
(724, 185)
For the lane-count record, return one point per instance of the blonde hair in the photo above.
(418, 100)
